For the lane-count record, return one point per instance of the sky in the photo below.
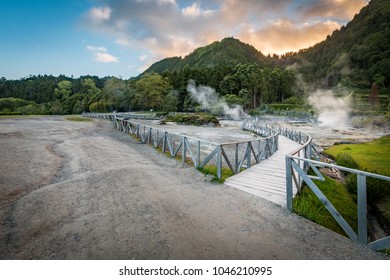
(122, 38)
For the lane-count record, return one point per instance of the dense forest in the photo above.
(354, 57)
(245, 84)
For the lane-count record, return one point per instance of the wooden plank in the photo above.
(264, 190)
(260, 181)
(269, 171)
(256, 185)
(260, 176)
(267, 179)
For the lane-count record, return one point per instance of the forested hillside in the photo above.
(227, 53)
(357, 55)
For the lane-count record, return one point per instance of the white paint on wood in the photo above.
(267, 179)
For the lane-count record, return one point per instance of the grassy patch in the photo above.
(372, 156)
(212, 170)
(78, 119)
(19, 116)
(310, 207)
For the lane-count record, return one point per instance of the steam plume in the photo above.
(332, 111)
(210, 101)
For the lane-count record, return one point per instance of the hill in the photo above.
(226, 53)
(356, 55)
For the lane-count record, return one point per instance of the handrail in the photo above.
(297, 167)
(234, 155)
(302, 138)
(132, 115)
(361, 235)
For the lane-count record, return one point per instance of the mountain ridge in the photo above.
(228, 52)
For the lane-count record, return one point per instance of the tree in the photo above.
(151, 90)
(100, 106)
(170, 102)
(90, 92)
(56, 108)
(232, 99)
(245, 96)
(229, 84)
(113, 93)
(63, 90)
(78, 107)
(250, 78)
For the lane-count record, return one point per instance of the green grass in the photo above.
(372, 156)
(310, 207)
(78, 119)
(19, 116)
(212, 170)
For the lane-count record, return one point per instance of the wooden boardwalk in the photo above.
(268, 178)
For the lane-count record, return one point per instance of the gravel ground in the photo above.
(83, 190)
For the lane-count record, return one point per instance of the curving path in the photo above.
(268, 178)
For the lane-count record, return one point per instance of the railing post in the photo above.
(362, 209)
(219, 162)
(248, 156)
(164, 142)
(267, 151)
(236, 159)
(184, 149)
(276, 139)
(198, 154)
(289, 186)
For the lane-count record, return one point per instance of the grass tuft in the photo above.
(78, 119)
(212, 170)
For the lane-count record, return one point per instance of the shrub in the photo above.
(376, 188)
(346, 160)
(194, 119)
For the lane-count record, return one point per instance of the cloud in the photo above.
(195, 11)
(98, 14)
(167, 28)
(101, 55)
(284, 35)
(341, 9)
(143, 57)
(95, 49)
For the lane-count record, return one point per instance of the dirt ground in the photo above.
(83, 190)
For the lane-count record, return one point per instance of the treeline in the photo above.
(47, 94)
(248, 85)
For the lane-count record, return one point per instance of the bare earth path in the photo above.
(82, 190)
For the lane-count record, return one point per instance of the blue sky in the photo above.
(123, 37)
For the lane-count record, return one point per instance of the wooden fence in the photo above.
(125, 115)
(298, 164)
(235, 156)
